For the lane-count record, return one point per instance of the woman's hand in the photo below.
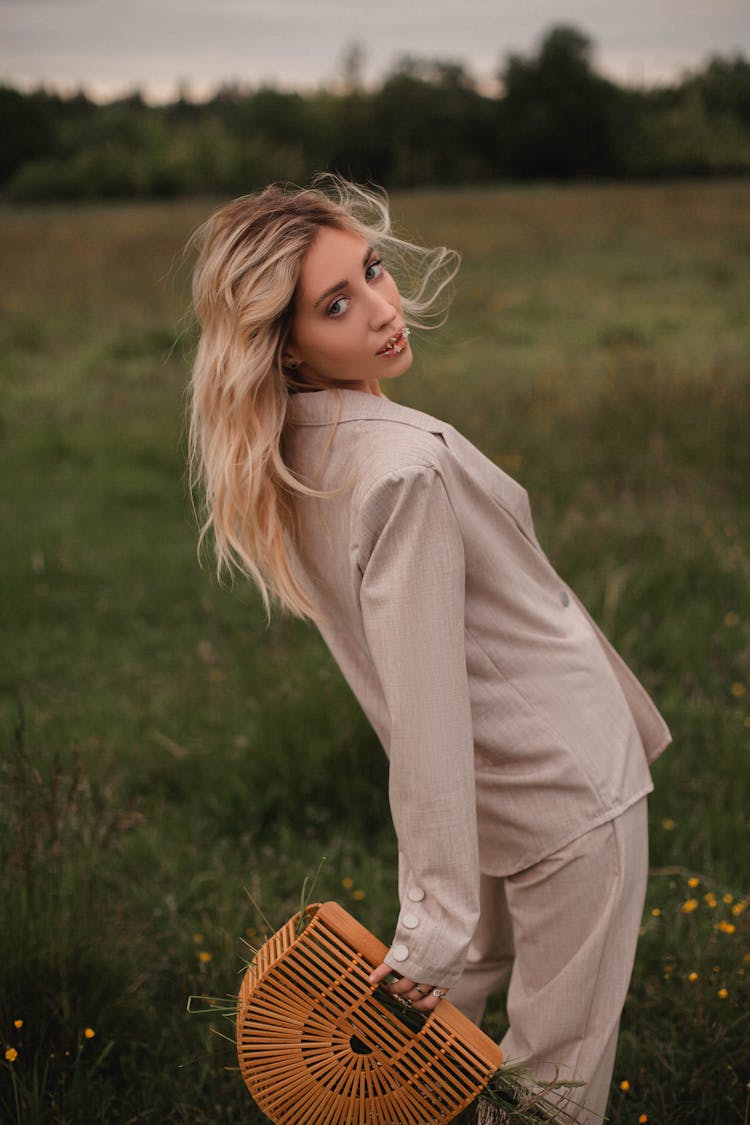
(422, 997)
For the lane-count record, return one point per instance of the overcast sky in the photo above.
(108, 46)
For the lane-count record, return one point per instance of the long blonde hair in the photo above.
(250, 258)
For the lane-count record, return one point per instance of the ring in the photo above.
(439, 992)
(421, 991)
(404, 1000)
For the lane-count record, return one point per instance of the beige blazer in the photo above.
(511, 724)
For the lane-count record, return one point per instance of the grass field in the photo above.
(163, 751)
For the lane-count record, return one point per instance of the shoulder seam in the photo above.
(418, 466)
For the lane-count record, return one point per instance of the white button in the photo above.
(416, 894)
(400, 952)
(410, 921)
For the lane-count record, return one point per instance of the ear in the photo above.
(290, 359)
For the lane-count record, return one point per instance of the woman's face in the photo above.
(348, 327)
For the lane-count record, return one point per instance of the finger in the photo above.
(379, 974)
(414, 992)
(428, 1004)
(404, 991)
(423, 997)
(421, 990)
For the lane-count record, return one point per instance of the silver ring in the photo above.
(404, 1000)
(439, 992)
(421, 991)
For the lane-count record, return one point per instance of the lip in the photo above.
(396, 343)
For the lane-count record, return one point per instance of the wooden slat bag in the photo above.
(317, 1044)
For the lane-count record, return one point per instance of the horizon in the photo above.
(199, 95)
(161, 48)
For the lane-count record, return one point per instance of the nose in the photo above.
(382, 311)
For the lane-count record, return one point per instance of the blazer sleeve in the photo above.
(410, 554)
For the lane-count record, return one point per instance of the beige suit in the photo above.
(511, 725)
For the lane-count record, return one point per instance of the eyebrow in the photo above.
(345, 283)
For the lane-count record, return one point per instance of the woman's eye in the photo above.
(373, 271)
(337, 307)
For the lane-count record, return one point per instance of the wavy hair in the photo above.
(250, 256)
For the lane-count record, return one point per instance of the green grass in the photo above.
(163, 750)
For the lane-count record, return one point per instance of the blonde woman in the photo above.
(519, 742)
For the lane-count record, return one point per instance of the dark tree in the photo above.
(725, 87)
(28, 128)
(431, 125)
(558, 117)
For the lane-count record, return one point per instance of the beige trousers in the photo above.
(566, 931)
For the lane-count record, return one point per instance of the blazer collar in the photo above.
(328, 408)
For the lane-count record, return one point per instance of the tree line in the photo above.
(427, 123)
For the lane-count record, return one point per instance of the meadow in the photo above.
(165, 752)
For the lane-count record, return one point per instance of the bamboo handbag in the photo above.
(318, 1045)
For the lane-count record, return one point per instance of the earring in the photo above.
(292, 365)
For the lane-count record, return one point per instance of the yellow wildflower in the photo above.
(689, 906)
(625, 1085)
(642, 1119)
(668, 824)
(88, 1033)
(198, 938)
(656, 912)
(204, 956)
(722, 993)
(347, 883)
(726, 927)
(710, 899)
(727, 899)
(692, 977)
(731, 619)
(693, 882)
(18, 1024)
(358, 895)
(738, 908)
(738, 689)
(11, 1054)
(746, 958)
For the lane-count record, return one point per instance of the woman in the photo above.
(519, 742)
